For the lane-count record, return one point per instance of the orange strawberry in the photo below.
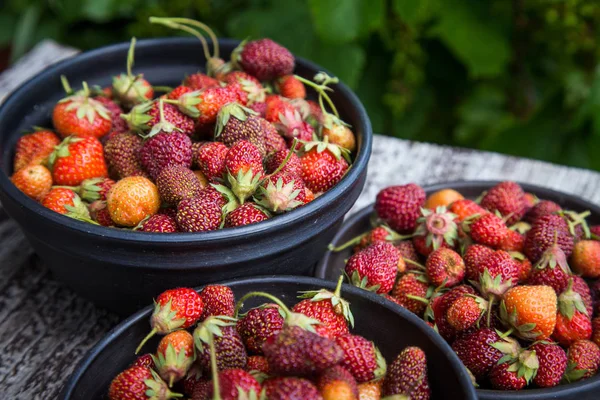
(465, 208)
(531, 310)
(289, 86)
(33, 180)
(370, 390)
(34, 148)
(585, 259)
(174, 356)
(77, 159)
(442, 198)
(131, 200)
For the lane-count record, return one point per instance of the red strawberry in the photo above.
(174, 356)
(595, 232)
(408, 252)
(160, 223)
(236, 122)
(281, 193)
(508, 199)
(524, 266)
(290, 87)
(246, 214)
(337, 383)
(258, 325)
(192, 378)
(260, 108)
(505, 377)
(179, 91)
(122, 154)
(119, 125)
(65, 201)
(407, 375)
(580, 286)
(158, 116)
(440, 306)
(287, 388)
(466, 311)
(513, 241)
(545, 232)
(544, 207)
(218, 300)
(374, 268)
(465, 208)
(264, 59)
(81, 116)
(411, 292)
(477, 352)
(488, 230)
(76, 159)
(200, 81)
(552, 364)
(174, 309)
(583, 360)
(361, 358)
(445, 267)
(323, 165)
(379, 233)
(596, 330)
(586, 258)
(139, 383)
(145, 360)
(210, 159)
(278, 106)
(400, 206)
(497, 273)
(227, 342)
(205, 105)
(33, 180)
(251, 89)
(176, 183)
(292, 167)
(235, 383)
(474, 257)
(243, 163)
(199, 214)
(436, 229)
(34, 148)
(274, 142)
(165, 149)
(572, 320)
(257, 364)
(551, 270)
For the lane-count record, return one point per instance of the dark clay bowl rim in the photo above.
(571, 389)
(272, 224)
(114, 333)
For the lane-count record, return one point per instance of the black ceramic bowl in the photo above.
(390, 326)
(122, 270)
(332, 264)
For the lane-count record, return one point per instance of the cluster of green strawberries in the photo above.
(509, 280)
(233, 146)
(211, 350)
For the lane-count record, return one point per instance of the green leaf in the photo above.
(329, 56)
(372, 16)
(336, 21)
(416, 11)
(24, 31)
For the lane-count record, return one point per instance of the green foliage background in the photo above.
(516, 76)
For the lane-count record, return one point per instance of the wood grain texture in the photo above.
(45, 329)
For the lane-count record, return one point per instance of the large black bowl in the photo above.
(122, 270)
(332, 264)
(390, 326)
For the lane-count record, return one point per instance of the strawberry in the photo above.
(505, 377)
(199, 214)
(174, 356)
(80, 115)
(165, 149)
(336, 383)
(408, 253)
(99, 213)
(436, 228)
(322, 165)
(407, 375)
(289, 86)
(258, 325)
(191, 379)
(202, 390)
(180, 91)
(67, 202)
(289, 122)
(199, 81)
(33, 180)
(156, 117)
(234, 384)
(246, 214)
(465, 208)
(131, 89)
(440, 306)
(93, 189)
(277, 107)
(76, 159)
(513, 241)
(477, 352)
(243, 163)
(236, 122)
(544, 207)
(586, 258)
(497, 273)
(159, 223)
(466, 311)
(330, 309)
(583, 360)
(379, 233)
(260, 108)
(257, 364)
(596, 330)
(488, 229)
(119, 125)
(580, 286)
(287, 388)
(291, 168)
(524, 266)
(280, 193)
(572, 320)
(442, 198)
(411, 292)
(551, 270)
(361, 358)
(338, 132)
(595, 232)
(218, 300)
(174, 309)
(400, 206)
(474, 256)
(145, 360)
(445, 267)
(210, 159)
(264, 59)
(227, 342)
(131, 200)
(530, 310)
(139, 383)
(250, 88)
(176, 183)
(545, 232)
(374, 268)
(205, 105)
(34, 148)
(552, 361)
(508, 199)
(122, 155)
(274, 142)
(370, 390)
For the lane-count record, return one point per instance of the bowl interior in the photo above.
(388, 325)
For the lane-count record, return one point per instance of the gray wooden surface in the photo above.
(45, 329)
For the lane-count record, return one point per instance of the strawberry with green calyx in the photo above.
(249, 88)
(323, 164)
(377, 234)
(65, 201)
(436, 227)
(236, 122)
(281, 193)
(227, 342)
(517, 374)
(412, 291)
(551, 269)
(552, 361)
(578, 226)
(139, 383)
(572, 321)
(93, 189)
(583, 360)
(408, 376)
(530, 311)
(76, 159)
(148, 119)
(131, 89)
(466, 312)
(374, 268)
(263, 58)
(174, 356)
(477, 352)
(258, 324)
(362, 358)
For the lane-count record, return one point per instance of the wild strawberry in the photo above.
(498, 272)
(202, 390)
(530, 310)
(474, 257)
(33, 180)
(191, 379)
(258, 325)
(80, 115)
(586, 258)
(205, 105)
(442, 198)
(440, 306)
(139, 383)
(119, 125)
(176, 182)
(551, 270)
(436, 228)
(122, 154)
(158, 117)
(524, 266)
(280, 193)
(466, 311)
(260, 108)
(513, 241)
(235, 383)
(165, 149)
(228, 345)
(583, 360)
(596, 330)
(544, 207)
(572, 320)
(336, 383)
(379, 233)
(445, 267)
(179, 91)
(243, 163)
(477, 352)
(580, 286)
(289, 123)
(504, 376)
(330, 309)
(264, 59)
(508, 199)
(210, 159)
(218, 300)
(370, 390)
(407, 375)
(323, 165)
(290, 87)
(340, 134)
(200, 81)
(160, 223)
(374, 268)
(292, 167)
(94, 189)
(277, 107)
(246, 214)
(274, 142)
(236, 122)
(174, 356)
(545, 232)
(76, 159)
(67, 202)
(465, 208)
(488, 230)
(131, 89)
(199, 214)
(145, 360)
(400, 206)
(257, 364)
(284, 388)
(251, 89)
(411, 292)
(552, 361)
(131, 200)
(34, 148)
(408, 252)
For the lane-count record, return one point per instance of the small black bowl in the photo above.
(332, 264)
(122, 270)
(391, 327)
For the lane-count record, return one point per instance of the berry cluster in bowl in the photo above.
(509, 280)
(210, 349)
(233, 146)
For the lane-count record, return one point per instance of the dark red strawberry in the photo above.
(258, 325)
(292, 166)
(257, 364)
(411, 291)
(119, 125)
(552, 361)
(244, 167)
(235, 383)
(474, 257)
(508, 199)
(287, 388)
(583, 358)
(122, 155)
(236, 122)
(264, 59)
(199, 81)
(551, 270)
(176, 183)
(407, 375)
(400, 206)
(199, 214)
(408, 252)
(139, 383)
(466, 311)
(546, 231)
(374, 268)
(489, 230)
(246, 214)
(165, 149)
(505, 377)
(229, 347)
(160, 223)
(477, 352)
(440, 306)
(445, 267)
(145, 360)
(274, 142)
(218, 300)
(580, 286)
(361, 358)
(544, 207)
(210, 159)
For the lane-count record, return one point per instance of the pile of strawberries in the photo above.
(231, 147)
(210, 350)
(507, 280)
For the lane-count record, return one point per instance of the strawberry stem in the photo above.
(349, 243)
(418, 298)
(152, 333)
(240, 303)
(162, 88)
(489, 310)
(416, 264)
(338, 288)
(168, 22)
(66, 86)
(214, 368)
(131, 57)
(286, 159)
(321, 89)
